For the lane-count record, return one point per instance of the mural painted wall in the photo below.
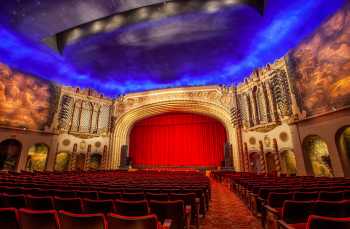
(322, 66)
(25, 101)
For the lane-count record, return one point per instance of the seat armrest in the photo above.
(271, 209)
(167, 224)
(282, 224)
(188, 210)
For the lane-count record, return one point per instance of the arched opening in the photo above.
(288, 162)
(10, 151)
(36, 159)
(342, 139)
(316, 153)
(95, 161)
(80, 162)
(270, 162)
(62, 161)
(255, 166)
(177, 139)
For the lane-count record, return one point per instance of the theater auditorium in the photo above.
(174, 114)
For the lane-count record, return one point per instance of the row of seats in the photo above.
(266, 196)
(11, 218)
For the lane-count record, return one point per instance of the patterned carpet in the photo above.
(227, 211)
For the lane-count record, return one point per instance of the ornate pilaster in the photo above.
(262, 157)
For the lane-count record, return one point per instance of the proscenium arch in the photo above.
(125, 123)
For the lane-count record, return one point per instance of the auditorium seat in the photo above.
(65, 193)
(321, 222)
(87, 194)
(39, 202)
(347, 195)
(329, 208)
(295, 213)
(98, 206)
(305, 196)
(132, 196)
(14, 200)
(331, 196)
(35, 219)
(73, 205)
(175, 210)
(9, 218)
(273, 208)
(131, 208)
(135, 222)
(109, 195)
(189, 199)
(157, 196)
(87, 221)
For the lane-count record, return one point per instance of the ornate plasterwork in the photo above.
(214, 101)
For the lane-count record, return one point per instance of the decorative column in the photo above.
(273, 106)
(87, 158)
(246, 158)
(73, 158)
(262, 157)
(276, 156)
(104, 157)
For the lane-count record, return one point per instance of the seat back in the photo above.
(135, 222)
(98, 206)
(35, 219)
(297, 211)
(133, 196)
(329, 208)
(331, 196)
(14, 201)
(109, 195)
(305, 196)
(157, 196)
(87, 195)
(321, 222)
(173, 210)
(9, 218)
(276, 199)
(86, 221)
(39, 202)
(131, 208)
(65, 193)
(74, 205)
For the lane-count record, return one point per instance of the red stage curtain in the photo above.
(177, 139)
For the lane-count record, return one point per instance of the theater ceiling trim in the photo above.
(213, 101)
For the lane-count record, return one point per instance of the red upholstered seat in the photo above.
(14, 200)
(98, 206)
(136, 222)
(296, 212)
(331, 196)
(109, 195)
(65, 193)
(329, 208)
(9, 218)
(133, 196)
(157, 196)
(35, 219)
(319, 222)
(86, 221)
(305, 196)
(39, 202)
(73, 205)
(174, 210)
(131, 208)
(87, 194)
(192, 200)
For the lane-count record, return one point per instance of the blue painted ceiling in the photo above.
(220, 45)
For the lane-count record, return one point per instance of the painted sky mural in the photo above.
(25, 101)
(220, 46)
(322, 66)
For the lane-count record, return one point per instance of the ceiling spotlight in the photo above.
(114, 22)
(212, 6)
(96, 27)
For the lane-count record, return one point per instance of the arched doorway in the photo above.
(62, 161)
(177, 139)
(80, 162)
(36, 159)
(270, 162)
(316, 153)
(95, 161)
(342, 139)
(288, 162)
(10, 151)
(255, 166)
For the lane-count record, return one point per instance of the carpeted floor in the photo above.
(227, 211)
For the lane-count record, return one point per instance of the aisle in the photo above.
(227, 211)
